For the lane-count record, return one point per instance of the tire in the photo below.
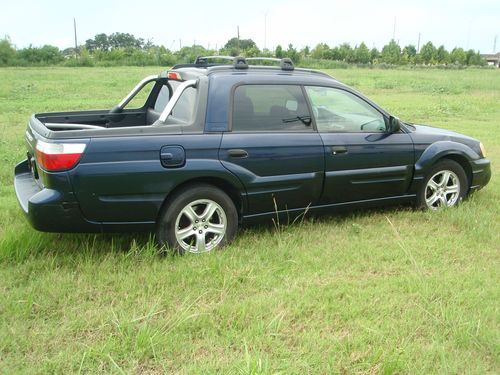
(198, 219)
(445, 185)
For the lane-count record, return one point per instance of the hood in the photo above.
(429, 134)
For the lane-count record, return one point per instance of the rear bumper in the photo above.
(481, 174)
(46, 209)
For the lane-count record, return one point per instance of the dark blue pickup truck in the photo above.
(218, 144)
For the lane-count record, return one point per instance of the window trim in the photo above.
(384, 115)
(231, 111)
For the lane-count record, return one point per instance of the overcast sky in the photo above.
(468, 24)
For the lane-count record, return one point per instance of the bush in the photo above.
(7, 53)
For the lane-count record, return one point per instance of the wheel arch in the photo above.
(458, 152)
(460, 160)
(227, 187)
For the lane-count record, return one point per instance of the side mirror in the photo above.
(394, 124)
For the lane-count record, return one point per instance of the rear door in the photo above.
(362, 159)
(273, 148)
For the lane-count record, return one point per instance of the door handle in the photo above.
(339, 150)
(237, 153)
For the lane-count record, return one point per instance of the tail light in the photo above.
(56, 157)
(174, 76)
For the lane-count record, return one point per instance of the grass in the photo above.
(373, 292)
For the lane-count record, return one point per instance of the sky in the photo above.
(466, 24)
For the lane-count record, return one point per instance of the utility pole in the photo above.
(418, 44)
(495, 44)
(394, 30)
(238, 33)
(180, 43)
(265, 30)
(76, 40)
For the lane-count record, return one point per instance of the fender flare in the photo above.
(439, 150)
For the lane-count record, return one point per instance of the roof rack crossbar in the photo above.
(239, 62)
(204, 59)
(285, 63)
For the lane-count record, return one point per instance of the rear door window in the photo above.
(261, 108)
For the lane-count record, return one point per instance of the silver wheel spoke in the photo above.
(184, 233)
(451, 189)
(432, 199)
(432, 184)
(190, 214)
(445, 178)
(209, 211)
(443, 200)
(200, 242)
(216, 228)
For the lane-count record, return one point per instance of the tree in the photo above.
(374, 54)
(345, 52)
(252, 52)
(474, 58)
(236, 47)
(320, 51)
(428, 53)
(391, 53)
(124, 40)
(442, 55)
(410, 50)
(362, 54)
(189, 54)
(458, 56)
(306, 51)
(7, 52)
(292, 54)
(278, 52)
(44, 55)
(101, 42)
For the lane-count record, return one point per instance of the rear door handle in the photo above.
(237, 153)
(339, 150)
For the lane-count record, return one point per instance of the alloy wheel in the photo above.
(442, 190)
(200, 226)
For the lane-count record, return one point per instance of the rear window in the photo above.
(270, 108)
(185, 107)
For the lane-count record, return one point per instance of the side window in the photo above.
(261, 108)
(185, 107)
(337, 110)
(162, 99)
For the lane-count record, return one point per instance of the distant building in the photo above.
(492, 59)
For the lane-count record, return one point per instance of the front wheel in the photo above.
(197, 220)
(445, 185)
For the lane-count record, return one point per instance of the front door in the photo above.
(362, 159)
(273, 149)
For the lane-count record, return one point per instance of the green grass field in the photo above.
(374, 292)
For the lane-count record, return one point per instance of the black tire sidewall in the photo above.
(165, 229)
(440, 166)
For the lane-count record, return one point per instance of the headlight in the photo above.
(483, 150)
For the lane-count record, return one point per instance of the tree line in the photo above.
(125, 49)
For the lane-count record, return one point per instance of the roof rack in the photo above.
(239, 62)
(285, 63)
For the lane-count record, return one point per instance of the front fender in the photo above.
(438, 150)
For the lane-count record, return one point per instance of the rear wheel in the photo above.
(444, 186)
(197, 220)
